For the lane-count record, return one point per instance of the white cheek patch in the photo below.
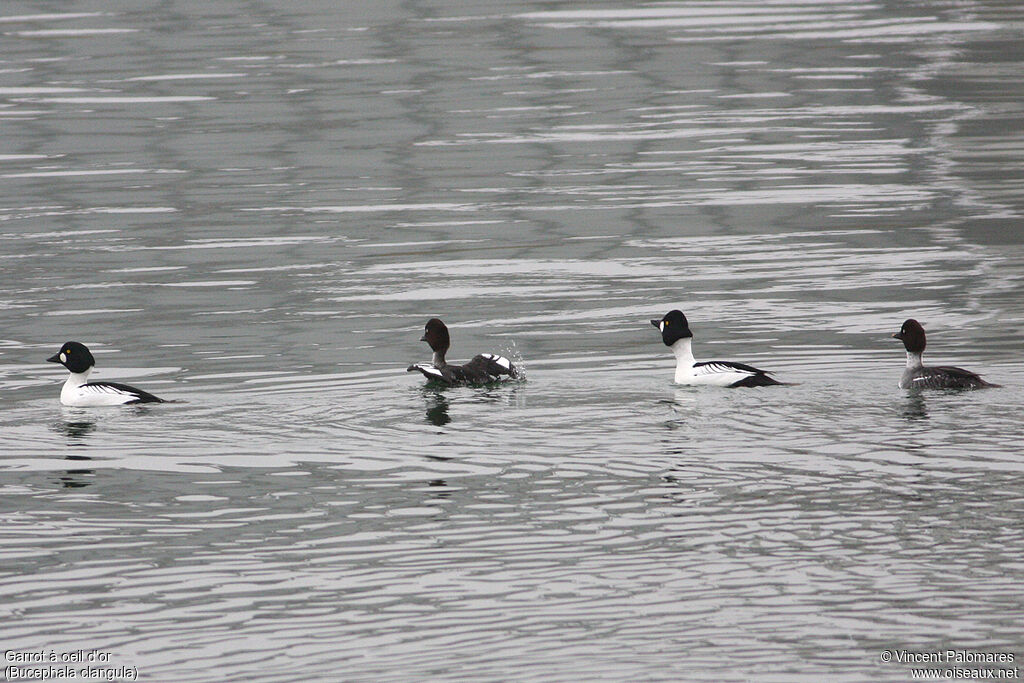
(63, 358)
(661, 327)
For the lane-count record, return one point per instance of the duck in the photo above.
(78, 392)
(482, 369)
(919, 376)
(676, 334)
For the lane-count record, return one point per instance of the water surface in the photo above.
(253, 210)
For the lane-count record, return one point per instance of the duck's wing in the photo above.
(740, 374)
(487, 367)
(948, 377)
(431, 372)
(130, 394)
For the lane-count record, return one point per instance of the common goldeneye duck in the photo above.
(80, 393)
(675, 332)
(918, 376)
(485, 367)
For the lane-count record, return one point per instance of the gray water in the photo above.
(252, 209)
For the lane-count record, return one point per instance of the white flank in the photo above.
(76, 393)
(714, 374)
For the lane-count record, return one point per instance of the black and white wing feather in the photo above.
(429, 371)
(734, 374)
(114, 390)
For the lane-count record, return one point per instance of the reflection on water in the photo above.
(437, 409)
(76, 478)
(255, 212)
(439, 489)
(915, 406)
(76, 430)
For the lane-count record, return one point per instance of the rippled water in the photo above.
(252, 209)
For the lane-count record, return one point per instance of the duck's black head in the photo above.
(436, 334)
(74, 356)
(673, 327)
(912, 336)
